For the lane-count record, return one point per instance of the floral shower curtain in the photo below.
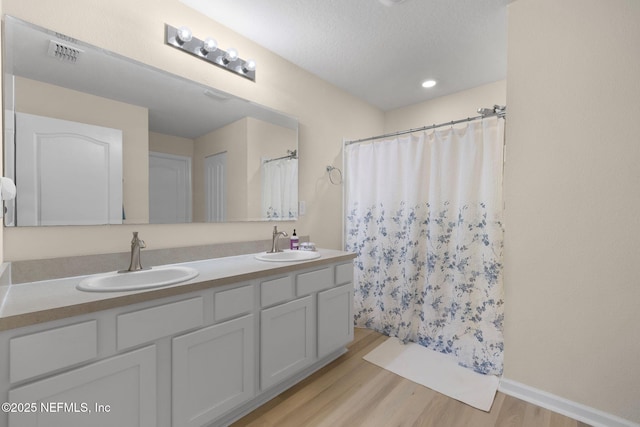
(280, 189)
(424, 215)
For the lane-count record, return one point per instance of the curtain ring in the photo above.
(331, 169)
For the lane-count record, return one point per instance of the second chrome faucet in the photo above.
(136, 245)
(274, 239)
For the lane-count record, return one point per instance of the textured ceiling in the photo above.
(378, 53)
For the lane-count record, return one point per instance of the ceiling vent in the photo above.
(63, 52)
(390, 3)
(218, 96)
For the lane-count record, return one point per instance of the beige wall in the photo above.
(573, 201)
(48, 100)
(136, 30)
(170, 144)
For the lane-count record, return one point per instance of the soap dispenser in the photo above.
(294, 242)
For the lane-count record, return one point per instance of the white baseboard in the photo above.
(577, 411)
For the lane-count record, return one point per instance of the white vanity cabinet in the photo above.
(335, 319)
(287, 334)
(204, 357)
(117, 391)
(318, 322)
(212, 371)
(335, 312)
(213, 368)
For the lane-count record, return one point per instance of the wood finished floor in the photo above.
(352, 392)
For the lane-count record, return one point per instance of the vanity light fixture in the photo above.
(208, 50)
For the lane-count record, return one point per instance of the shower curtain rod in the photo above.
(497, 110)
(291, 155)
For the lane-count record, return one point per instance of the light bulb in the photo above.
(231, 55)
(210, 45)
(249, 65)
(183, 35)
(428, 83)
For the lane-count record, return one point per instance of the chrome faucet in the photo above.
(274, 239)
(136, 245)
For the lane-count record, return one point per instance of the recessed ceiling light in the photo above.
(428, 83)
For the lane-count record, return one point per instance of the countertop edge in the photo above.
(28, 318)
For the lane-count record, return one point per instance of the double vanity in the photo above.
(202, 352)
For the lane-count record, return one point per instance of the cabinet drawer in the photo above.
(344, 273)
(233, 302)
(314, 281)
(46, 351)
(152, 323)
(275, 291)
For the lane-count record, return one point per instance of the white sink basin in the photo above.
(287, 256)
(136, 280)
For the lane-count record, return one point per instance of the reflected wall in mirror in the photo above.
(186, 152)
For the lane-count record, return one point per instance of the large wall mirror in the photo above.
(91, 137)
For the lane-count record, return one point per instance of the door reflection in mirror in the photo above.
(68, 173)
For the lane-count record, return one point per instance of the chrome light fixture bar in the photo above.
(208, 50)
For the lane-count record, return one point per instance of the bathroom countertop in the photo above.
(37, 302)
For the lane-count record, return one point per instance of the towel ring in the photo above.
(330, 169)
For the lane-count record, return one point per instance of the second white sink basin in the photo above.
(287, 256)
(136, 280)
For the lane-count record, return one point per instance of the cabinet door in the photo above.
(119, 391)
(213, 371)
(287, 338)
(335, 319)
